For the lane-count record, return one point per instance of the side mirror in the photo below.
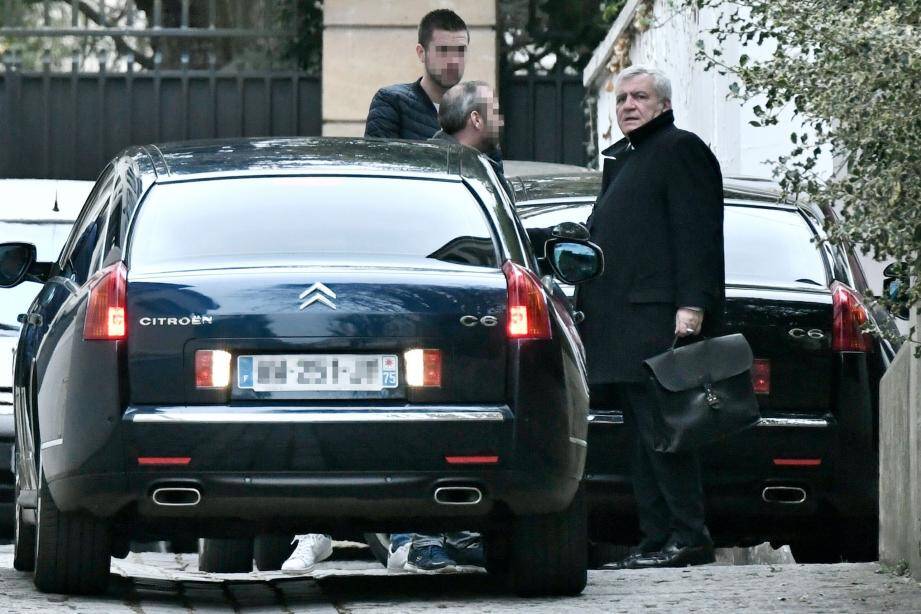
(575, 262)
(895, 288)
(895, 269)
(571, 230)
(15, 261)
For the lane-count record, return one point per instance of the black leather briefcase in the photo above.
(704, 392)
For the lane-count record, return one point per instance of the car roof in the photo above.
(520, 168)
(300, 155)
(34, 199)
(537, 181)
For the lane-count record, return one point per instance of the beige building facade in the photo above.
(368, 44)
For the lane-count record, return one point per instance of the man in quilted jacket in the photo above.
(410, 110)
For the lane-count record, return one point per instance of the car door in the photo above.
(74, 267)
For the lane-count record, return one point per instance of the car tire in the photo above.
(851, 546)
(72, 549)
(23, 535)
(379, 543)
(225, 555)
(496, 551)
(549, 552)
(270, 551)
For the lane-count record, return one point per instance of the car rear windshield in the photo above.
(210, 223)
(771, 247)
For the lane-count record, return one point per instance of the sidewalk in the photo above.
(156, 582)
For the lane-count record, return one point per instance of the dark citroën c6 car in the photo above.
(248, 338)
(807, 475)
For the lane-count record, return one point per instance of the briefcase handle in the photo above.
(700, 337)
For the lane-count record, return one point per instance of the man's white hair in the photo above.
(660, 81)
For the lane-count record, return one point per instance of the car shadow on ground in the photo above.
(421, 587)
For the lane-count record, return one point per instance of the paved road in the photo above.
(148, 583)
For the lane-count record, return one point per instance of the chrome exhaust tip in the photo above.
(172, 496)
(458, 495)
(786, 495)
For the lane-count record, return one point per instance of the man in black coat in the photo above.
(410, 110)
(659, 220)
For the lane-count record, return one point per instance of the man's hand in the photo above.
(688, 321)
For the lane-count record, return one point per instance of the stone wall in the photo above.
(900, 462)
(371, 43)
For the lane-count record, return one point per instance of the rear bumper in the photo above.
(843, 485)
(310, 501)
(736, 473)
(300, 467)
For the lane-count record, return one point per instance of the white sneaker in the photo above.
(311, 549)
(396, 559)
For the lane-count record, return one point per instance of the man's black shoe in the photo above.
(675, 555)
(628, 562)
(644, 549)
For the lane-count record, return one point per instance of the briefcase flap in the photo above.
(703, 362)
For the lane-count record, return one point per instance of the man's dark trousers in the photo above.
(667, 486)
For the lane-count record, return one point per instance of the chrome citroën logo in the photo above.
(317, 293)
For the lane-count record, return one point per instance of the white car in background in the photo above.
(42, 212)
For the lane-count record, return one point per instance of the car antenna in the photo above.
(55, 208)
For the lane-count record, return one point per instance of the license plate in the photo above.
(317, 372)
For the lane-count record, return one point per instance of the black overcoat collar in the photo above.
(636, 137)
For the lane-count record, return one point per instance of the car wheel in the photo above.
(270, 551)
(225, 555)
(23, 535)
(496, 551)
(858, 546)
(549, 552)
(814, 551)
(380, 546)
(72, 549)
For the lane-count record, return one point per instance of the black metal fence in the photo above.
(64, 126)
(544, 118)
(94, 82)
(151, 77)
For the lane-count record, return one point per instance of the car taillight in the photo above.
(761, 376)
(849, 317)
(105, 311)
(212, 369)
(528, 314)
(423, 368)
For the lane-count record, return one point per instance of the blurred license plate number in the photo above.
(317, 372)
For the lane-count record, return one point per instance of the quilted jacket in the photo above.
(402, 111)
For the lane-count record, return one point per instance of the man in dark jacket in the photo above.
(469, 115)
(410, 110)
(659, 220)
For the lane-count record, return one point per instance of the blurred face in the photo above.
(637, 103)
(494, 119)
(444, 58)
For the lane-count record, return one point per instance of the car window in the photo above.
(551, 215)
(47, 237)
(78, 261)
(763, 246)
(768, 246)
(209, 223)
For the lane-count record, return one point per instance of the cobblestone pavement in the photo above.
(148, 583)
